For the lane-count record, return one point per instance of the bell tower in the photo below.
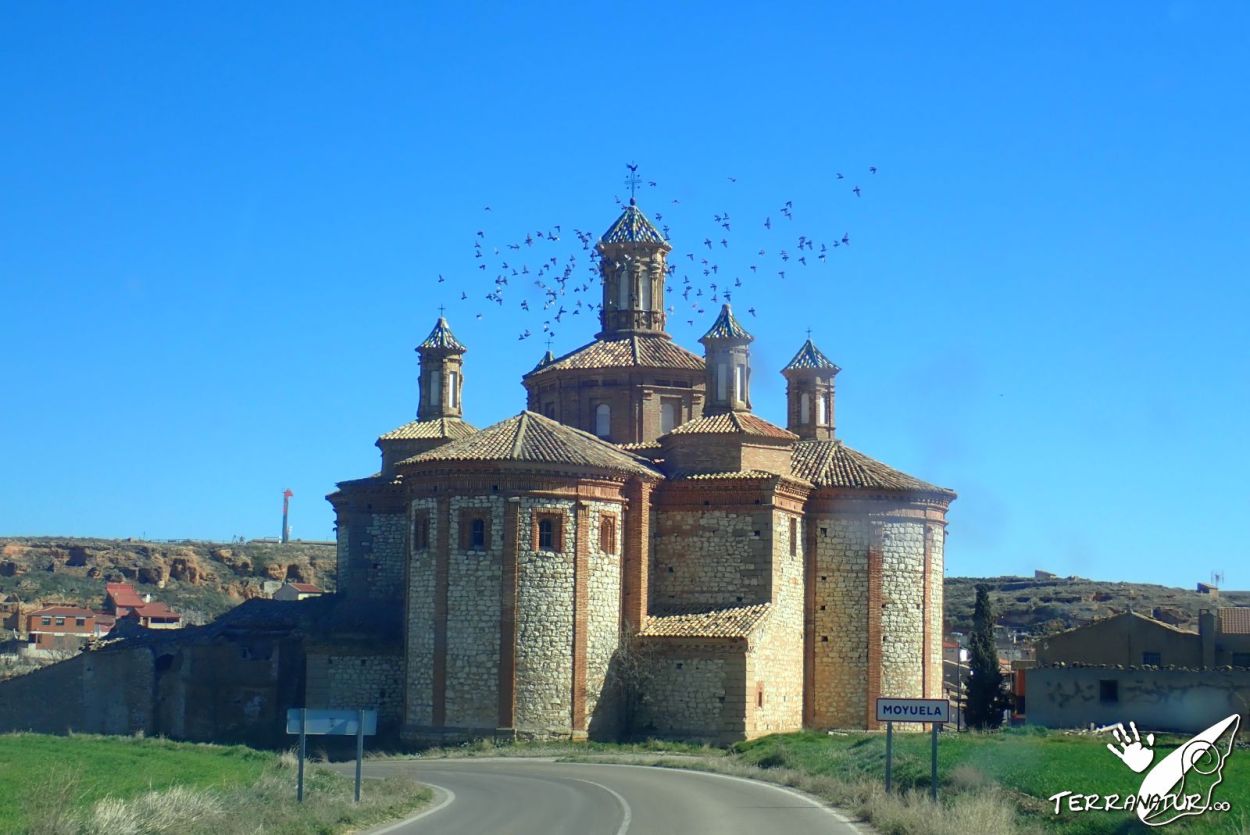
(727, 355)
(809, 393)
(441, 379)
(632, 264)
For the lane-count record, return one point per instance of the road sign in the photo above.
(322, 722)
(913, 710)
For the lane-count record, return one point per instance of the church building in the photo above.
(636, 552)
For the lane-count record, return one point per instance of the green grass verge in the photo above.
(82, 785)
(1027, 765)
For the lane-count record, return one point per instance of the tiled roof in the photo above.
(732, 423)
(63, 611)
(718, 623)
(531, 437)
(441, 338)
(650, 445)
(632, 227)
(635, 350)
(809, 358)
(123, 594)
(726, 327)
(833, 464)
(307, 588)
(1235, 620)
(735, 475)
(424, 429)
(548, 359)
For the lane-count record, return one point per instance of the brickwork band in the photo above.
(507, 617)
(874, 624)
(581, 601)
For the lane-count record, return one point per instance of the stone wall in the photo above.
(419, 622)
(1184, 701)
(710, 559)
(840, 618)
(936, 622)
(372, 551)
(473, 619)
(103, 693)
(604, 617)
(902, 609)
(544, 636)
(694, 689)
(774, 675)
(338, 678)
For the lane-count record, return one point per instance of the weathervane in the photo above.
(632, 180)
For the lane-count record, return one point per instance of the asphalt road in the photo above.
(541, 797)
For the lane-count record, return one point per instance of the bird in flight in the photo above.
(872, 169)
(856, 190)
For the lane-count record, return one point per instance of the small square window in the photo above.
(80, 621)
(60, 621)
(1109, 691)
(46, 621)
(1152, 659)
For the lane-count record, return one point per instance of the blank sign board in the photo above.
(913, 710)
(325, 722)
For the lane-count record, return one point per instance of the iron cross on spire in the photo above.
(632, 180)
(441, 311)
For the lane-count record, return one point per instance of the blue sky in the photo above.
(221, 227)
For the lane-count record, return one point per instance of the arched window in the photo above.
(453, 389)
(546, 535)
(805, 407)
(644, 282)
(603, 420)
(820, 411)
(436, 387)
(623, 279)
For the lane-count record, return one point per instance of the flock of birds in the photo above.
(554, 280)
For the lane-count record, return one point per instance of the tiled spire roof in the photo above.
(726, 328)
(548, 359)
(532, 438)
(810, 358)
(442, 339)
(419, 430)
(632, 227)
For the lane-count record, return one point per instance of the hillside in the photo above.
(1051, 604)
(199, 579)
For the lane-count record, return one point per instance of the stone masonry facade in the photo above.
(637, 553)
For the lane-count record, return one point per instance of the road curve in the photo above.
(522, 796)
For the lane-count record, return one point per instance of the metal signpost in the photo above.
(935, 712)
(321, 722)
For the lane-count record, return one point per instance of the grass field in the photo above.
(96, 784)
(1028, 765)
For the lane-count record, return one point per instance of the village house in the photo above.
(62, 628)
(296, 591)
(122, 601)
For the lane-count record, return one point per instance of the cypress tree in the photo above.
(986, 699)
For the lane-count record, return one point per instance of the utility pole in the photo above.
(286, 518)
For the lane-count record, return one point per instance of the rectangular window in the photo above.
(1108, 691)
(453, 386)
(820, 410)
(794, 537)
(607, 534)
(421, 532)
(436, 387)
(80, 621)
(46, 621)
(474, 531)
(549, 532)
(1152, 659)
(722, 380)
(670, 415)
(740, 382)
(60, 621)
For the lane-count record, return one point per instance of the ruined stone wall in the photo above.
(419, 620)
(775, 661)
(341, 678)
(95, 692)
(710, 559)
(544, 636)
(473, 595)
(372, 551)
(604, 617)
(694, 689)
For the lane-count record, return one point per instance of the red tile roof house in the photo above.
(60, 627)
(297, 591)
(121, 600)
